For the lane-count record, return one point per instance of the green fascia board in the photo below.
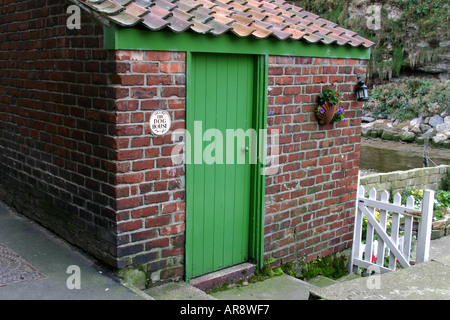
(118, 38)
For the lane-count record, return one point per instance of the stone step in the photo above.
(230, 275)
(423, 281)
(322, 281)
(282, 287)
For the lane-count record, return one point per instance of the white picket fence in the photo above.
(390, 244)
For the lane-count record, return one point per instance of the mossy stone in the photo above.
(134, 276)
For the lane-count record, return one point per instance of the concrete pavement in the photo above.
(424, 281)
(52, 256)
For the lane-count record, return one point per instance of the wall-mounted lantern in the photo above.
(362, 92)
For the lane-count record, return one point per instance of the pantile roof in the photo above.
(244, 18)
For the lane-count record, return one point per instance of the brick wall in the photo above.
(149, 188)
(75, 147)
(310, 201)
(56, 120)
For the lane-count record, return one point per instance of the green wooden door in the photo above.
(219, 121)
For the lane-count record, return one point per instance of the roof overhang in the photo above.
(119, 38)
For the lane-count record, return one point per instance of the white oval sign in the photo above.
(160, 122)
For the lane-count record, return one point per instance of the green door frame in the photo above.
(257, 192)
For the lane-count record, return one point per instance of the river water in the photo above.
(387, 156)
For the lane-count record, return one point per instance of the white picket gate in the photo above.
(396, 247)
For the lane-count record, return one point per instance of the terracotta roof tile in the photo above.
(260, 32)
(282, 35)
(136, 10)
(200, 27)
(238, 7)
(205, 3)
(244, 18)
(125, 19)
(183, 15)
(241, 30)
(154, 22)
(296, 34)
(312, 38)
(219, 28)
(203, 14)
(107, 7)
(142, 3)
(178, 25)
(222, 19)
(222, 11)
(273, 18)
(123, 2)
(160, 12)
(257, 14)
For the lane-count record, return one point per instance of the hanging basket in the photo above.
(326, 113)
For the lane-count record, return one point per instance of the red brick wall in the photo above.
(56, 120)
(310, 201)
(149, 188)
(75, 147)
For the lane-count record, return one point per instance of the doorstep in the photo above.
(229, 275)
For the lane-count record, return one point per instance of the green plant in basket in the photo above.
(329, 110)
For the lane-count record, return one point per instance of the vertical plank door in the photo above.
(218, 173)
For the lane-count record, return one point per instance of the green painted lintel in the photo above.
(109, 38)
(140, 39)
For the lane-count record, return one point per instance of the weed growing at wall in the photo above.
(331, 266)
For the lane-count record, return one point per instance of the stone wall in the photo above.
(435, 129)
(421, 178)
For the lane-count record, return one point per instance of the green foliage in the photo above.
(441, 200)
(225, 286)
(266, 271)
(441, 204)
(397, 37)
(422, 8)
(397, 61)
(288, 269)
(339, 116)
(331, 266)
(333, 97)
(408, 98)
(446, 181)
(329, 95)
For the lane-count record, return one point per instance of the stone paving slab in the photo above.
(52, 256)
(177, 291)
(425, 281)
(445, 260)
(282, 287)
